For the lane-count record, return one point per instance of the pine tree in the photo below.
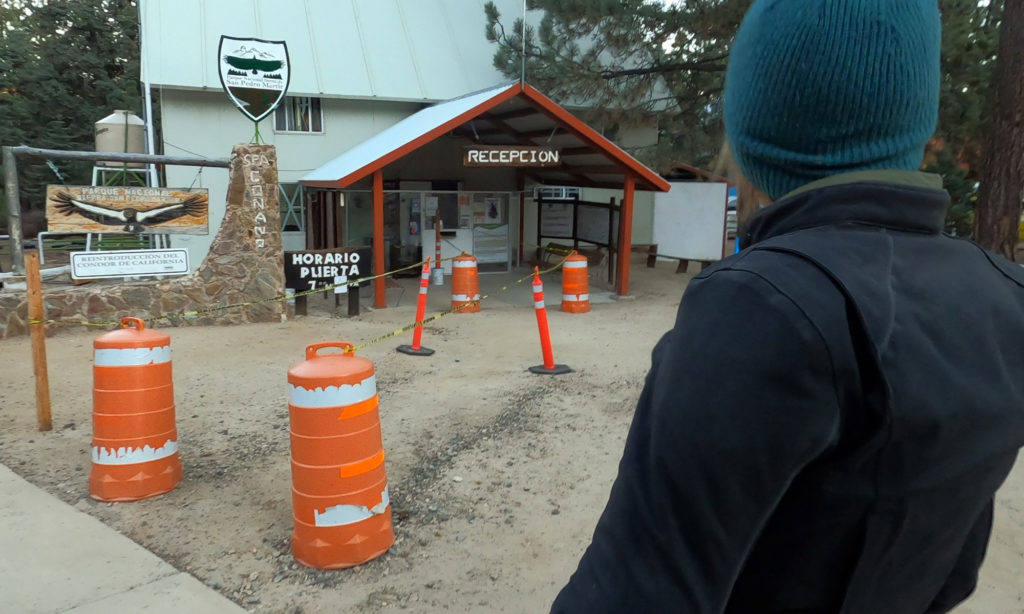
(633, 61)
(629, 63)
(1002, 185)
(64, 64)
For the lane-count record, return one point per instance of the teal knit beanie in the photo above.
(820, 87)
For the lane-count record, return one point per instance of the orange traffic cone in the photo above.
(465, 284)
(416, 349)
(549, 367)
(340, 503)
(575, 284)
(134, 438)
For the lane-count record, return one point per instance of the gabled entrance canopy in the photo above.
(511, 114)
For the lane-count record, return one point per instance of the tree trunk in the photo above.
(1002, 181)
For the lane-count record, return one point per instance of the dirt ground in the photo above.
(497, 476)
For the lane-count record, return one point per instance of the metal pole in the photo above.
(147, 100)
(13, 211)
(522, 78)
(58, 154)
(154, 181)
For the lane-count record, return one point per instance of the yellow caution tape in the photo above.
(216, 308)
(449, 312)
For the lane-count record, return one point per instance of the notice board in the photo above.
(689, 220)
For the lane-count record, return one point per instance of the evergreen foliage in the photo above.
(634, 61)
(64, 64)
(630, 62)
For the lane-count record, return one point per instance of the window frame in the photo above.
(288, 110)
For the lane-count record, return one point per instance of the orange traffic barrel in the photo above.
(340, 503)
(575, 284)
(134, 438)
(465, 284)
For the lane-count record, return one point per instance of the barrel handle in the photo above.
(313, 348)
(139, 324)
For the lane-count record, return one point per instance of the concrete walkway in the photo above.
(54, 558)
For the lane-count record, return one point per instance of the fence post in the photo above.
(13, 211)
(37, 328)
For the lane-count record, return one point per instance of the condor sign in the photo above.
(310, 270)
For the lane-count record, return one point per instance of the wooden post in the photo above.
(625, 236)
(521, 182)
(353, 299)
(379, 288)
(37, 327)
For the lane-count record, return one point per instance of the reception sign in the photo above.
(511, 155)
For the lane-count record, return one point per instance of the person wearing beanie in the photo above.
(824, 428)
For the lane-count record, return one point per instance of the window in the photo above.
(292, 198)
(299, 114)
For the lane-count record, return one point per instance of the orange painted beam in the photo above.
(380, 299)
(625, 236)
(591, 137)
(422, 140)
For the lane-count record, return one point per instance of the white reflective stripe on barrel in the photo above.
(538, 304)
(575, 297)
(464, 264)
(575, 264)
(132, 456)
(465, 297)
(333, 396)
(338, 515)
(131, 357)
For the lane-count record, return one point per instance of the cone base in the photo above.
(342, 547)
(131, 483)
(576, 308)
(408, 349)
(556, 370)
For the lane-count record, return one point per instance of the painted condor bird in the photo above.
(133, 220)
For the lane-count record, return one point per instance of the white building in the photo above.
(357, 68)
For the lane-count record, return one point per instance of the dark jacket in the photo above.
(824, 428)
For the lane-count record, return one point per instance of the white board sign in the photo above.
(556, 220)
(128, 263)
(689, 220)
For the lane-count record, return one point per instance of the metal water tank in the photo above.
(121, 132)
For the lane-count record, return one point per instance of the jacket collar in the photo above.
(908, 206)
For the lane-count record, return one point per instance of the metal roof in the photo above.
(512, 114)
(388, 49)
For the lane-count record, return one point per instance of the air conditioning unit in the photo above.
(556, 192)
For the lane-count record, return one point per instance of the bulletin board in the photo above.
(689, 220)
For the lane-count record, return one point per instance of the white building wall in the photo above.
(207, 124)
(423, 50)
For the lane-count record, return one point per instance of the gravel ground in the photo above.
(497, 476)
